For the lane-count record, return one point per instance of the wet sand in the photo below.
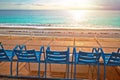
(60, 32)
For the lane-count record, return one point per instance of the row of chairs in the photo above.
(60, 57)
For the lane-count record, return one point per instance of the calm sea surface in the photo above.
(61, 18)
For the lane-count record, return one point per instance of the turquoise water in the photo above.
(72, 18)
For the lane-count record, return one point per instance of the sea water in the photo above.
(61, 18)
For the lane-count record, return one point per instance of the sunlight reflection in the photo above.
(80, 16)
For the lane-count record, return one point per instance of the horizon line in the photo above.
(59, 9)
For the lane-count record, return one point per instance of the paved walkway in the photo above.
(60, 43)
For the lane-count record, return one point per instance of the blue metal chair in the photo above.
(24, 55)
(110, 59)
(7, 56)
(57, 57)
(86, 58)
(118, 51)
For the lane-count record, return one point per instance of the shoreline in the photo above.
(59, 28)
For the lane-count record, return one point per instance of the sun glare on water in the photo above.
(79, 15)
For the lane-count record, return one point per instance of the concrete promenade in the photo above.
(60, 43)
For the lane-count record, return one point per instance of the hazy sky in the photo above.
(59, 4)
